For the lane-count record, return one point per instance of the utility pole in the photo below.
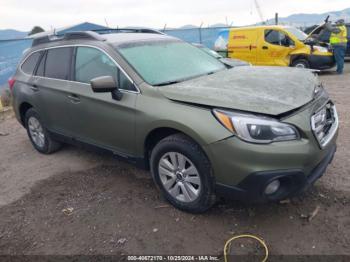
(276, 18)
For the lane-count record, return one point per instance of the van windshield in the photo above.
(168, 61)
(300, 35)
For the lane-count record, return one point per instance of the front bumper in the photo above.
(242, 170)
(251, 189)
(321, 62)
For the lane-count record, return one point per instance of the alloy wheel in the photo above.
(36, 132)
(179, 177)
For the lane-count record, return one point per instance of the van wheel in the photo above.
(183, 173)
(301, 63)
(38, 135)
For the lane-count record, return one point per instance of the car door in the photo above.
(52, 85)
(99, 119)
(275, 48)
(28, 68)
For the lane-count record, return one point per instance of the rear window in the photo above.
(58, 61)
(30, 63)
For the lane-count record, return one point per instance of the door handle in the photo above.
(74, 98)
(265, 47)
(34, 87)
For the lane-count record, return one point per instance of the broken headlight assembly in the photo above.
(255, 129)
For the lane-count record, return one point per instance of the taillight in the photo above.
(11, 82)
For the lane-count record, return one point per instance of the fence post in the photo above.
(200, 33)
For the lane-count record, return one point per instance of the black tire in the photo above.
(50, 145)
(182, 144)
(301, 63)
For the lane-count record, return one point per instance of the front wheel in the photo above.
(301, 63)
(183, 173)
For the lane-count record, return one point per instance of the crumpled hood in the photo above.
(266, 90)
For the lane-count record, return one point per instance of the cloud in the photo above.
(23, 15)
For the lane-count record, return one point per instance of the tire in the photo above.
(301, 63)
(38, 135)
(191, 191)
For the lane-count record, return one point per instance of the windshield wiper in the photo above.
(184, 79)
(167, 83)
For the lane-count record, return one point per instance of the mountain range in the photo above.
(313, 19)
(12, 34)
(298, 20)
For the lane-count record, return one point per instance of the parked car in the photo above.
(231, 62)
(274, 45)
(203, 129)
(323, 36)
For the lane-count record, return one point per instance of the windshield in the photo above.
(300, 35)
(165, 62)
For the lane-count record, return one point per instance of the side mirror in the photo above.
(103, 84)
(106, 84)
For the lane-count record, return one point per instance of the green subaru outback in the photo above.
(204, 129)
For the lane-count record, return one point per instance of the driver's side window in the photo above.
(276, 37)
(91, 62)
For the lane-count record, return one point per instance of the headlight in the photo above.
(319, 90)
(321, 49)
(255, 129)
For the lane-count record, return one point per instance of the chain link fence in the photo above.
(205, 36)
(10, 53)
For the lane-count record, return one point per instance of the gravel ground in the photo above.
(113, 208)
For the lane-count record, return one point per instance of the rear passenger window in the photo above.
(58, 61)
(30, 63)
(91, 63)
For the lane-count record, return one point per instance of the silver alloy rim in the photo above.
(36, 131)
(179, 177)
(300, 66)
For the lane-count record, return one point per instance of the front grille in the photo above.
(324, 124)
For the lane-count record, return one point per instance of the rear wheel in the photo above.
(301, 63)
(183, 173)
(38, 135)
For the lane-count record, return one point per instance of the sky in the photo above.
(23, 15)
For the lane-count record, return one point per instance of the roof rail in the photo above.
(40, 40)
(92, 35)
(68, 36)
(128, 30)
(83, 35)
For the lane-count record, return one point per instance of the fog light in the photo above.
(272, 187)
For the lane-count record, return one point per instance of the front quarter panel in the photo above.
(153, 111)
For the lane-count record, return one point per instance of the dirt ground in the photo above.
(117, 209)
